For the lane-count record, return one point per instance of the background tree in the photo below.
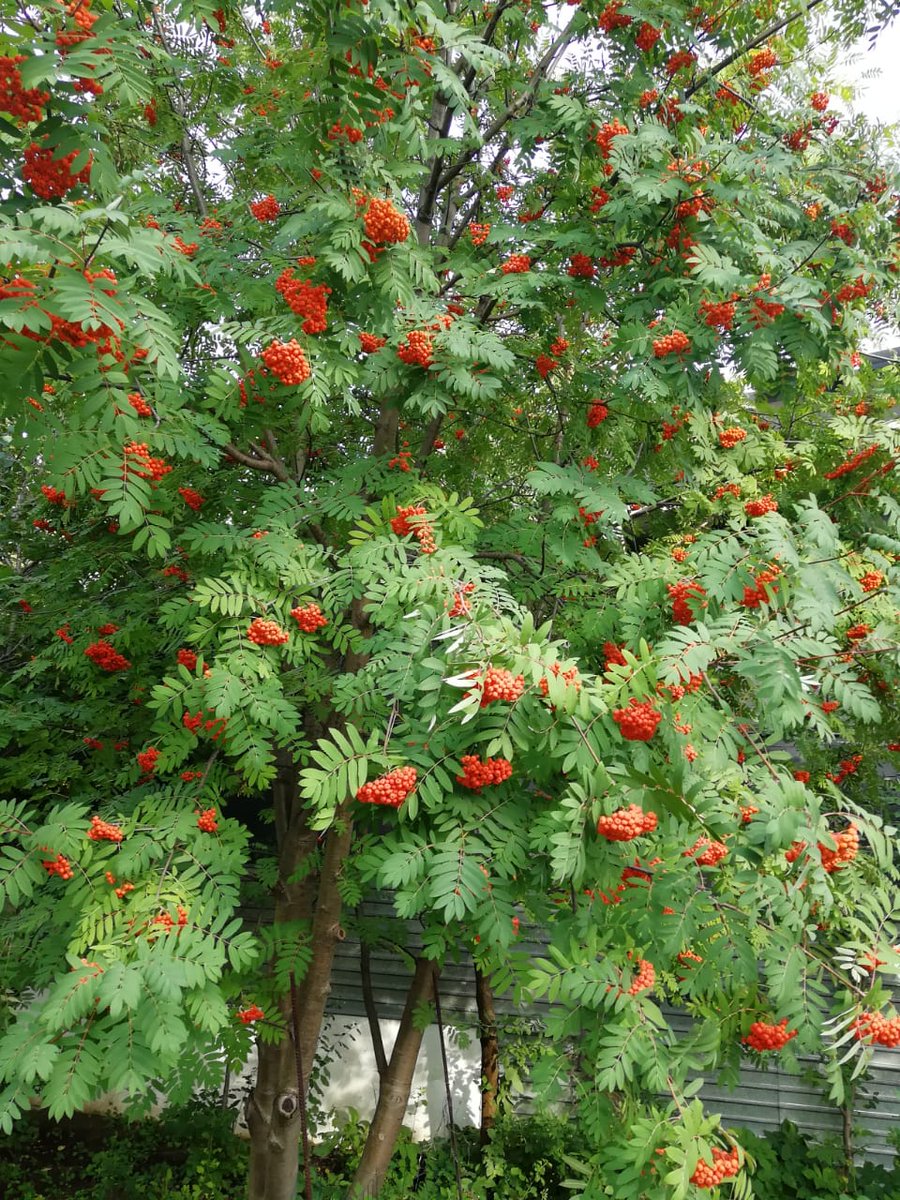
(453, 461)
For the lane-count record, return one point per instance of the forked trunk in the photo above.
(394, 1089)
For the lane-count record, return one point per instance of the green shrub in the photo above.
(791, 1166)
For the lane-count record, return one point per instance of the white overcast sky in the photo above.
(875, 74)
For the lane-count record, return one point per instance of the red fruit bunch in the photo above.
(841, 230)
(725, 1164)
(718, 316)
(613, 655)
(597, 413)
(267, 209)
(644, 979)
(626, 824)
(145, 465)
(870, 1027)
(731, 436)
(206, 820)
(681, 60)
(606, 134)
(763, 1037)
(390, 789)
(599, 199)
(748, 811)
(682, 592)
(611, 18)
(370, 342)
(187, 658)
(192, 722)
(849, 766)
(560, 346)
(675, 342)
(191, 498)
(287, 362)
(461, 606)
(516, 264)
(500, 684)
(263, 632)
(106, 657)
(759, 508)
(763, 590)
(846, 850)
(545, 365)
(102, 831)
(421, 529)
(309, 617)
(417, 350)
(871, 581)
(853, 291)
(479, 234)
(139, 404)
(25, 104)
(54, 496)
(477, 774)
(852, 463)
(49, 177)
(570, 677)
(638, 722)
(705, 852)
(58, 866)
(581, 266)
(763, 60)
(248, 1015)
(856, 633)
(169, 922)
(350, 132)
(647, 37)
(305, 299)
(384, 224)
(820, 101)
(147, 760)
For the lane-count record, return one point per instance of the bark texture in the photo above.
(490, 1054)
(393, 1093)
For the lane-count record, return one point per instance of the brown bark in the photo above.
(393, 1093)
(490, 1054)
(365, 975)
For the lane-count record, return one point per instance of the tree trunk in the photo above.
(490, 1054)
(393, 1093)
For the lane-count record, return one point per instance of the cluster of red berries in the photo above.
(648, 36)
(54, 495)
(422, 530)
(384, 224)
(370, 342)
(725, 1165)
(479, 234)
(187, 658)
(763, 590)
(606, 134)
(597, 413)
(611, 18)
(500, 684)
(681, 60)
(852, 463)
(559, 346)
(267, 209)
(675, 342)
(147, 760)
(461, 606)
(706, 852)
(720, 315)
(581, 266)
(105, 656)
(841, 230)
(853, 291)
(613, 655)
(309, 617)
(847, 848)
(681, 593)
(599, 199)
(206, 820)
(545, 365)
(849, 766)
(417, 350)
(645, 978)
(638, 722)
(763, 60)
(58, 866)
(263, 632)
(871, 581)
(191, 498)
(820, 101)
(24, 104)
(248, 1015)
(477, 774)
(626, 824)
(731, 436)
(350, 132)
(390, 789)
(139, 404)
(51, 177)
(123, 889)
(759, 508)
(764, 1037)
(516, 264)
(287, 362)
(305, 299)
(169, 923)
(569, 677)
(857, 632)
(145, 465)
(873, 1027)
(102, 831)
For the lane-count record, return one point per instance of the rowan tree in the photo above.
(437, 455)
